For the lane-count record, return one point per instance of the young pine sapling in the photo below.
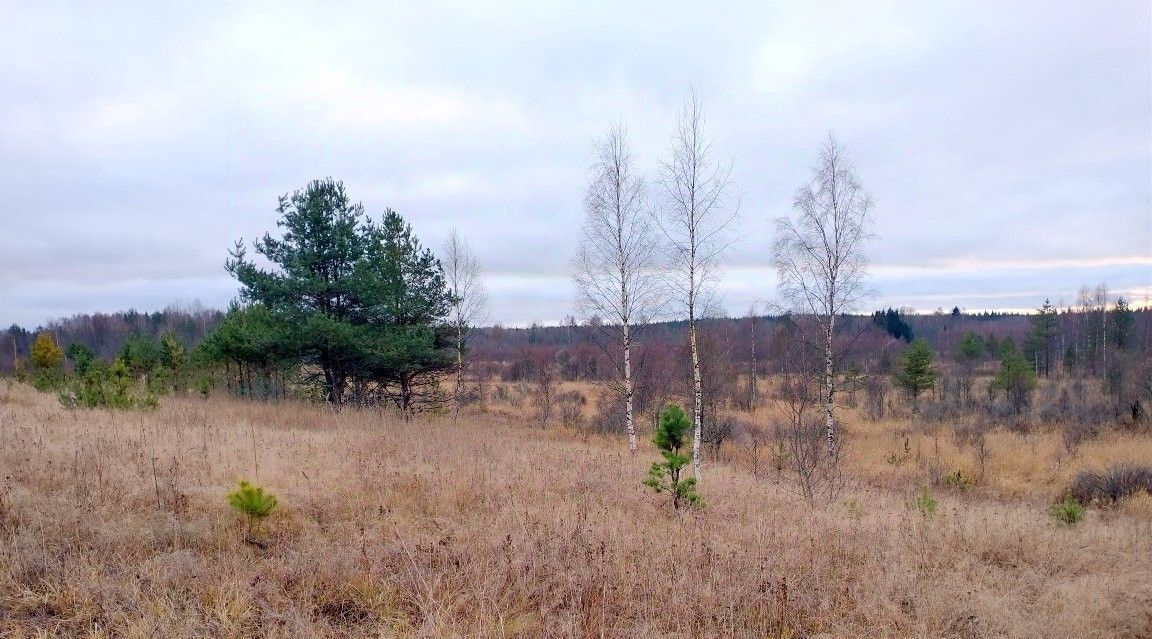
(252, 502)
(665, 476)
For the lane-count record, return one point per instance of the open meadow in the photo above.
(116, 524)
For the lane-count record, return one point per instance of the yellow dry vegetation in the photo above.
(116, 524)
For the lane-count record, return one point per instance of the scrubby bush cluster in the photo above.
(106, 386)
(1111, 485)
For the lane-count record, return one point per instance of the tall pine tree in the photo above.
(360, 302)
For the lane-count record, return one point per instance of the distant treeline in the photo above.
(876, 339)
(106, 333)
(575, 346)
(576, 349)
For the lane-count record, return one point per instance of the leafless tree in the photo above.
(615, 265)
(820, 260)
(753, 362)
(1100, 301)
(464, 278)
(544, 392)
(697, 216)
(802, 466)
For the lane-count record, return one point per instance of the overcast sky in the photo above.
(1008, 144)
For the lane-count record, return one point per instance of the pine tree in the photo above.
(1015, 377)
(310, 291)
(664, 476)
(406, 341)
(1041, 342)
(252, 502)
(970, 348)
(81, 355)
(917, 373)
(360, 302)
(1122, 320)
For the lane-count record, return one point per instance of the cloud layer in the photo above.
(1009, 145)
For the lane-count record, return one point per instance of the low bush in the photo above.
(106, 386)
(957, 480)
(1112, 485)
(572, 408)
(1068, 512)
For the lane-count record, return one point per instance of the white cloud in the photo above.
(1008, 145)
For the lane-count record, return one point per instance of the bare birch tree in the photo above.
(1100, 300)
(464, 278)
(697, 217)
(615, 265)
(820, 260)
(753, 362)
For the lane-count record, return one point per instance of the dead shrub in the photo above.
(572, 409)
(1114, 484)
(1075, 433)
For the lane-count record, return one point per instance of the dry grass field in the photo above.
(115, 524)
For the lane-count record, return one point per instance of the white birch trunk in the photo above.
(697, 395)
(629, 390)
(459, 374)
(829, 387)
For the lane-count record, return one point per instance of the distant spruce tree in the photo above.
(992, 346)
(893, 322)
(1122, 321)
(1041, 344)
(969, 351)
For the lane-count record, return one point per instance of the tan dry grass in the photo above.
(490, 529)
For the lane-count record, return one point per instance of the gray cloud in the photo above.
(1009, 145)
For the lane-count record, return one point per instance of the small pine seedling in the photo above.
(1068, 512)
(925, 503)
(252, 502)
(665, 476)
